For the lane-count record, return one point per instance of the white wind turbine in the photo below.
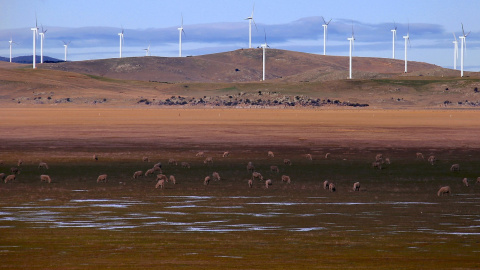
(180, 31)
(455, 52)
(35, 34)
(394, 33)
(121, 42)
(352, 44)
(325, 33)
(264, 47)
(407, 40)
(464, 44)
(147, 50)
(42, 37)
(250, 20)
(65, 44)
(11, 42)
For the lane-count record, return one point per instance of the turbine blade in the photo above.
(253, 9)
(454, 36)
(463, 32)
(255, 24)
(468, 34)
(324, 22)
(329, 22)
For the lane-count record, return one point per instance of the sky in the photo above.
(213, 26)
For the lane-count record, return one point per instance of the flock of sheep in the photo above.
(162, 179)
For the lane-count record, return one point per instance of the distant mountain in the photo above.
(28, 59)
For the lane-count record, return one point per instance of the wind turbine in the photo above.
(264, 47)
(407, 40)
(35, 34)
(464, 44)
(11, 42)
(147, 50)
(250, 19)
(180, 31)
(394, 33)
(352, 44)
(325, 33)
(42, 37)
(65, 44)
(121, 42)
(455, 52)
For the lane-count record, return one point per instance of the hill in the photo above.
(28, 59)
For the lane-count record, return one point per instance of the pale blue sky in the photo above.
(216, 26)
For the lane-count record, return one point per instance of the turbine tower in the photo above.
(42, 37)
(65, 44)
(11, 42)
(394, 33)
(407, 40)
(250, 20)
(264, 47)
(147, 50)
(121, 42)
(352, 41)
(325, 34)
(455, 52)
(180, 31)
(463, 38)
(35, 34)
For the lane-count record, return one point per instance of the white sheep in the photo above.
(331, 187)
(102, 178)
(326, 155)
(444, 190)
(95, 157)
(2, 176)
(268, 182)
(309, 156)
(387, 161)
(226, 154)
(257, 175)
(157, 169)
(286, 178)
(10, 177)
(465, 182)
(208, 160)
(377, 164)
(216, 176)
(250, 183)
(200, 154)
(43, 165)
(146, 159)
(206, 181)
(379, 157)
(45, 178)
(325, 184)
(159, 165)
(19, 163)
(172, 162)
(455, 168)
(356, 186)
(274, 168)
(161, 179)
(420, 156)
(287, 162)
(432, 159)
(270, 154)
(250, 167)
(14, 170)
(185, 165)
(172, 179)
(137, 174)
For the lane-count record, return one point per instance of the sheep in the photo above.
(43, 165)
(274, 169)
(200, 154)
(159, 165)
(268, 183)
(478, 180)
(185, 165)
(172, 162)
(465, 182)
(45, 178)
(331, 187)
(455, 168)
(2, 176)
(250, 183)
(208, 160)
(377, 164)
(387, 161)
(216, 176)
(162, 177)
(432, 159)
(102, 178)
(326, 155)
(226, 154)
(270, 154)
(356, 186)
(286, 178)
(14, 170)
(325, 184)
(444, 190)
(206, 181)
(287, 162)
(11, 177)
(157, 169)
(420, 155)
(137, 174)
(378, 157)
(160, 183)
(95, 157)
(250, 167)
(309, 157)
(149, 172)
(19, 163)
(146, 159)
(257, 175)
(172, 179)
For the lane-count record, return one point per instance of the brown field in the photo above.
(396, 221)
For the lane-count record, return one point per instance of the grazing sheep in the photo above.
(95, 157)
(286, 178)
(444, 190)
(172, 179)
(137, 174)
(102, 178)
(270, 154)
(287, 162)
(325, 184)
(268, 183)
(420, 156)
(387, 161)
(356, 186)
(377, 164)
(216, 176)
(379, 157)
(200, 154)
(208, 160)
(257, 175)
(309, 157)
(45, 178)
(331, 187)
(455, 168)
(159, 165)
(14, 170)
(146, 159)
(149, 172)
(274, 169)
(226, 154)
(432, 159)
(185, 165)
(465, 182)
(19, 163)
(326, 155)
(2, 176)
(478, 180)
(250, 167)
(206, 181)
(172, 162)
(43, 165)
(11, 177)
(250, 183)
(157, 169)
(160, 183)
(162, 177)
